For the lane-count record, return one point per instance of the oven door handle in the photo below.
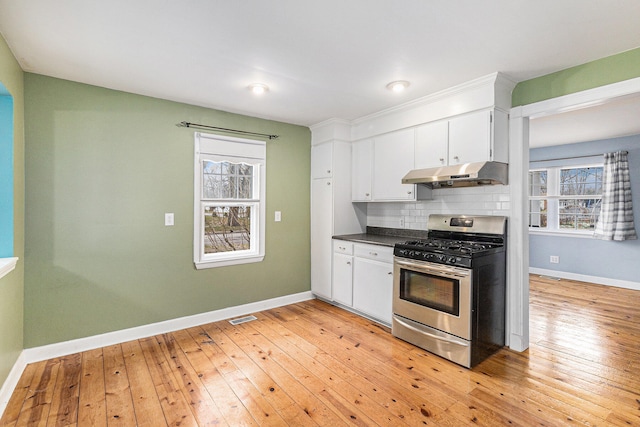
(438, 269)
(430, 335)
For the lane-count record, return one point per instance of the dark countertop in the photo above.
(383, 236)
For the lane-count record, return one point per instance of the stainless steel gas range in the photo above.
(449, 289)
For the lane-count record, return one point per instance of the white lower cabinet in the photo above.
(364, 280)
(373, 288)
(342, 278)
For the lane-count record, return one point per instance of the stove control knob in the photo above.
(452, 259)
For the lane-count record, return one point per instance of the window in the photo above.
(229, 214)
(565, 199)
(6, 173)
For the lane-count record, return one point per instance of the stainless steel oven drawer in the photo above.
(446, 345)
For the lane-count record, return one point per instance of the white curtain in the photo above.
(616, 216)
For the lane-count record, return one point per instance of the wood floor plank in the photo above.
(282, 386)
(14, 406)
(119, 403)
(314, 364)
(192, 342)
(252, 385)
(203, 407)
(257, 407)
(174, 405)
(146, 404)
(359, 359)
(305, 386)
(92, 406)
(333, 373)
(64, 403)
(35, 410)
(369, 369)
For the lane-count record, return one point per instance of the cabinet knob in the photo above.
(348, 262)
(390, 273)
(366, 194)
(373, 253)
(441, 159)
(328, 183)
(328, 170)
(456, 158)
(409, 192)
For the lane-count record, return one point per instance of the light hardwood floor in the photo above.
(313, 364)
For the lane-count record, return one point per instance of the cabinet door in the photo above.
(321, 232)
(343, 279)
(432, 141)
(470, 138)
(373, 288)
(393, 156)
(321, 160)
(361, 162)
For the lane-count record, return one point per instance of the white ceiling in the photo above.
(321, 59)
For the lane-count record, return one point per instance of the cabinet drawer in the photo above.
(343, 247)
(376, 252)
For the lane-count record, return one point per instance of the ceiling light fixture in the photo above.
(398, 86)
(258, 88)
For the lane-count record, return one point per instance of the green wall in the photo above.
(102, 168)
(612, 69)
(12, 285)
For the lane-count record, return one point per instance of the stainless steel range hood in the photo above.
(464, 175)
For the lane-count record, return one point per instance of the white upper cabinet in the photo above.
(475, 137)
(432, 145)
(470, 138)
(393, 156)
(361, 158)
(321, 161)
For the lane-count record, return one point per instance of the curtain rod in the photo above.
(572, 157)
(241, 132)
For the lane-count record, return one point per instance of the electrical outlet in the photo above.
(554, 259)
(401, 222)
(278, 216)
(168, 219)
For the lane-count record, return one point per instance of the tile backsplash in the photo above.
(489, 200)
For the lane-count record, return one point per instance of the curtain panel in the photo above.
(616, 215)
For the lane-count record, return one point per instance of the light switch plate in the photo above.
(168, 219)
(278, 217)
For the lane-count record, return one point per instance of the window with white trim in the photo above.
(565, 198)
(229, 197)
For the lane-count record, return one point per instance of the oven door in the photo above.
(435, 295)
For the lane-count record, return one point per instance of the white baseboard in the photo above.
(584, 278)
(50, 351)
(11, 382)
(37, 354)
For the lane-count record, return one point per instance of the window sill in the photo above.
(7, 265)
(561, 233)
(225, 262)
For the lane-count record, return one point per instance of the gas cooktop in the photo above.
(450, 246)
(456, 240)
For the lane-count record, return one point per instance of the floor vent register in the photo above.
(240, 320)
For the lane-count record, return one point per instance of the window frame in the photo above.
(553, 198)
(211, 147)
